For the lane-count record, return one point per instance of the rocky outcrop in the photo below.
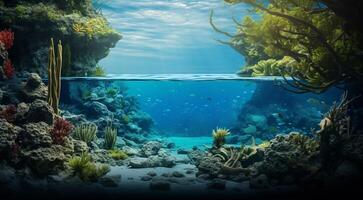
(85, 34)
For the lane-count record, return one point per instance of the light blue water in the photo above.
(195, 104)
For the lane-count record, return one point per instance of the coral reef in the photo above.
(34, 21)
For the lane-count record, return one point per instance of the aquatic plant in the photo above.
(93, 27)
(110, 137)
(85, 132)
(111, 92)
(61, 129)
(8, 69)
(7, 38)
(322, 50)
(8, 113)
(99, 71)
(219, 137)
(54, 76)
(117, 154)
(84, 168)
(264, 144)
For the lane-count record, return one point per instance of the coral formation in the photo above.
(61, 129)
(54, 75)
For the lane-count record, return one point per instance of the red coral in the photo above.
(8, 69)
(7, 38)
(8, 113)
(61, 129)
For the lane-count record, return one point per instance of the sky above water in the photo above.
(171, 36)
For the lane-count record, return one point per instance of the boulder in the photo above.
(151, 148)
(259, 182)
(130, 151)
(110, 181)
(8, 135)
(95, 109)
(21, 113)
(35, 135)
(152, 161)
(40, 111)
(178, 174)
(80, 147)
(33, 89)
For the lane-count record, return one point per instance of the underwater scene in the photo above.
(237, 99)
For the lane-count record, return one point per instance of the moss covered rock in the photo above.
(85, 33)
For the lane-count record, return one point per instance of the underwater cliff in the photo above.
(85, 33)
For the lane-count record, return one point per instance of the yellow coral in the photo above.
(219, 136)
(264, 144)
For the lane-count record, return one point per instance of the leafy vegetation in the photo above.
(117, 154)
(93, 27)
(219, 137)
(85, 132)
(304, 40)
(84, 168)
(99, 71)
(110, 137)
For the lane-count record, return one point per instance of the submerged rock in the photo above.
(40, 111)
(152, 161)
(95, 109)
(35, 135)
(160, 185)
(217, 184)
(8, 135)
(151, 148)
(110, 180)
(33, 89)
(259, 182)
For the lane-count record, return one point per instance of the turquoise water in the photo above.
(195, 104)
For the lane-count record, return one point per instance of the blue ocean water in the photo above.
(195, 104)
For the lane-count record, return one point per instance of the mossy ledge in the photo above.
(75, 22)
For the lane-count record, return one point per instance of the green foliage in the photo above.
(309, 39)
(110, 137)
(117, 154)
(85, 132)
(111, 92)
(93, 27)
(99, 71)
(87, 170)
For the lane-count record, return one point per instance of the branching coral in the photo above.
(87, 170)
(85, 132)
(61, 129)
(219, 136)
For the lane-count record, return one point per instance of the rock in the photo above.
(152, 161)
(150, 148)
(130, 151)
(7, 175)
(40, 111)
(178, 174)
(146, 178)
(120, 142)
(160, 185)
(8, 135)
(250, 130)
(44, 161)
(204, 177)
(142, 120)
(259, 182)
(79, 147)
(138, 162)
(217, 184)
(196, 156)
(182, 151)
(189, 171)
(35, 135)
(163, 153)
(240, 178)
(33, 89)
(170, 145)
(151, 173)
(73, 118)
(21, 111)
(259, 120)
(348, 170)
(95, 109)
(110, 181)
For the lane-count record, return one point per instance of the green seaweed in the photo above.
(85, 132)
(118, 154)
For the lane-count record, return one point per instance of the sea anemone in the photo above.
(219, 136)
